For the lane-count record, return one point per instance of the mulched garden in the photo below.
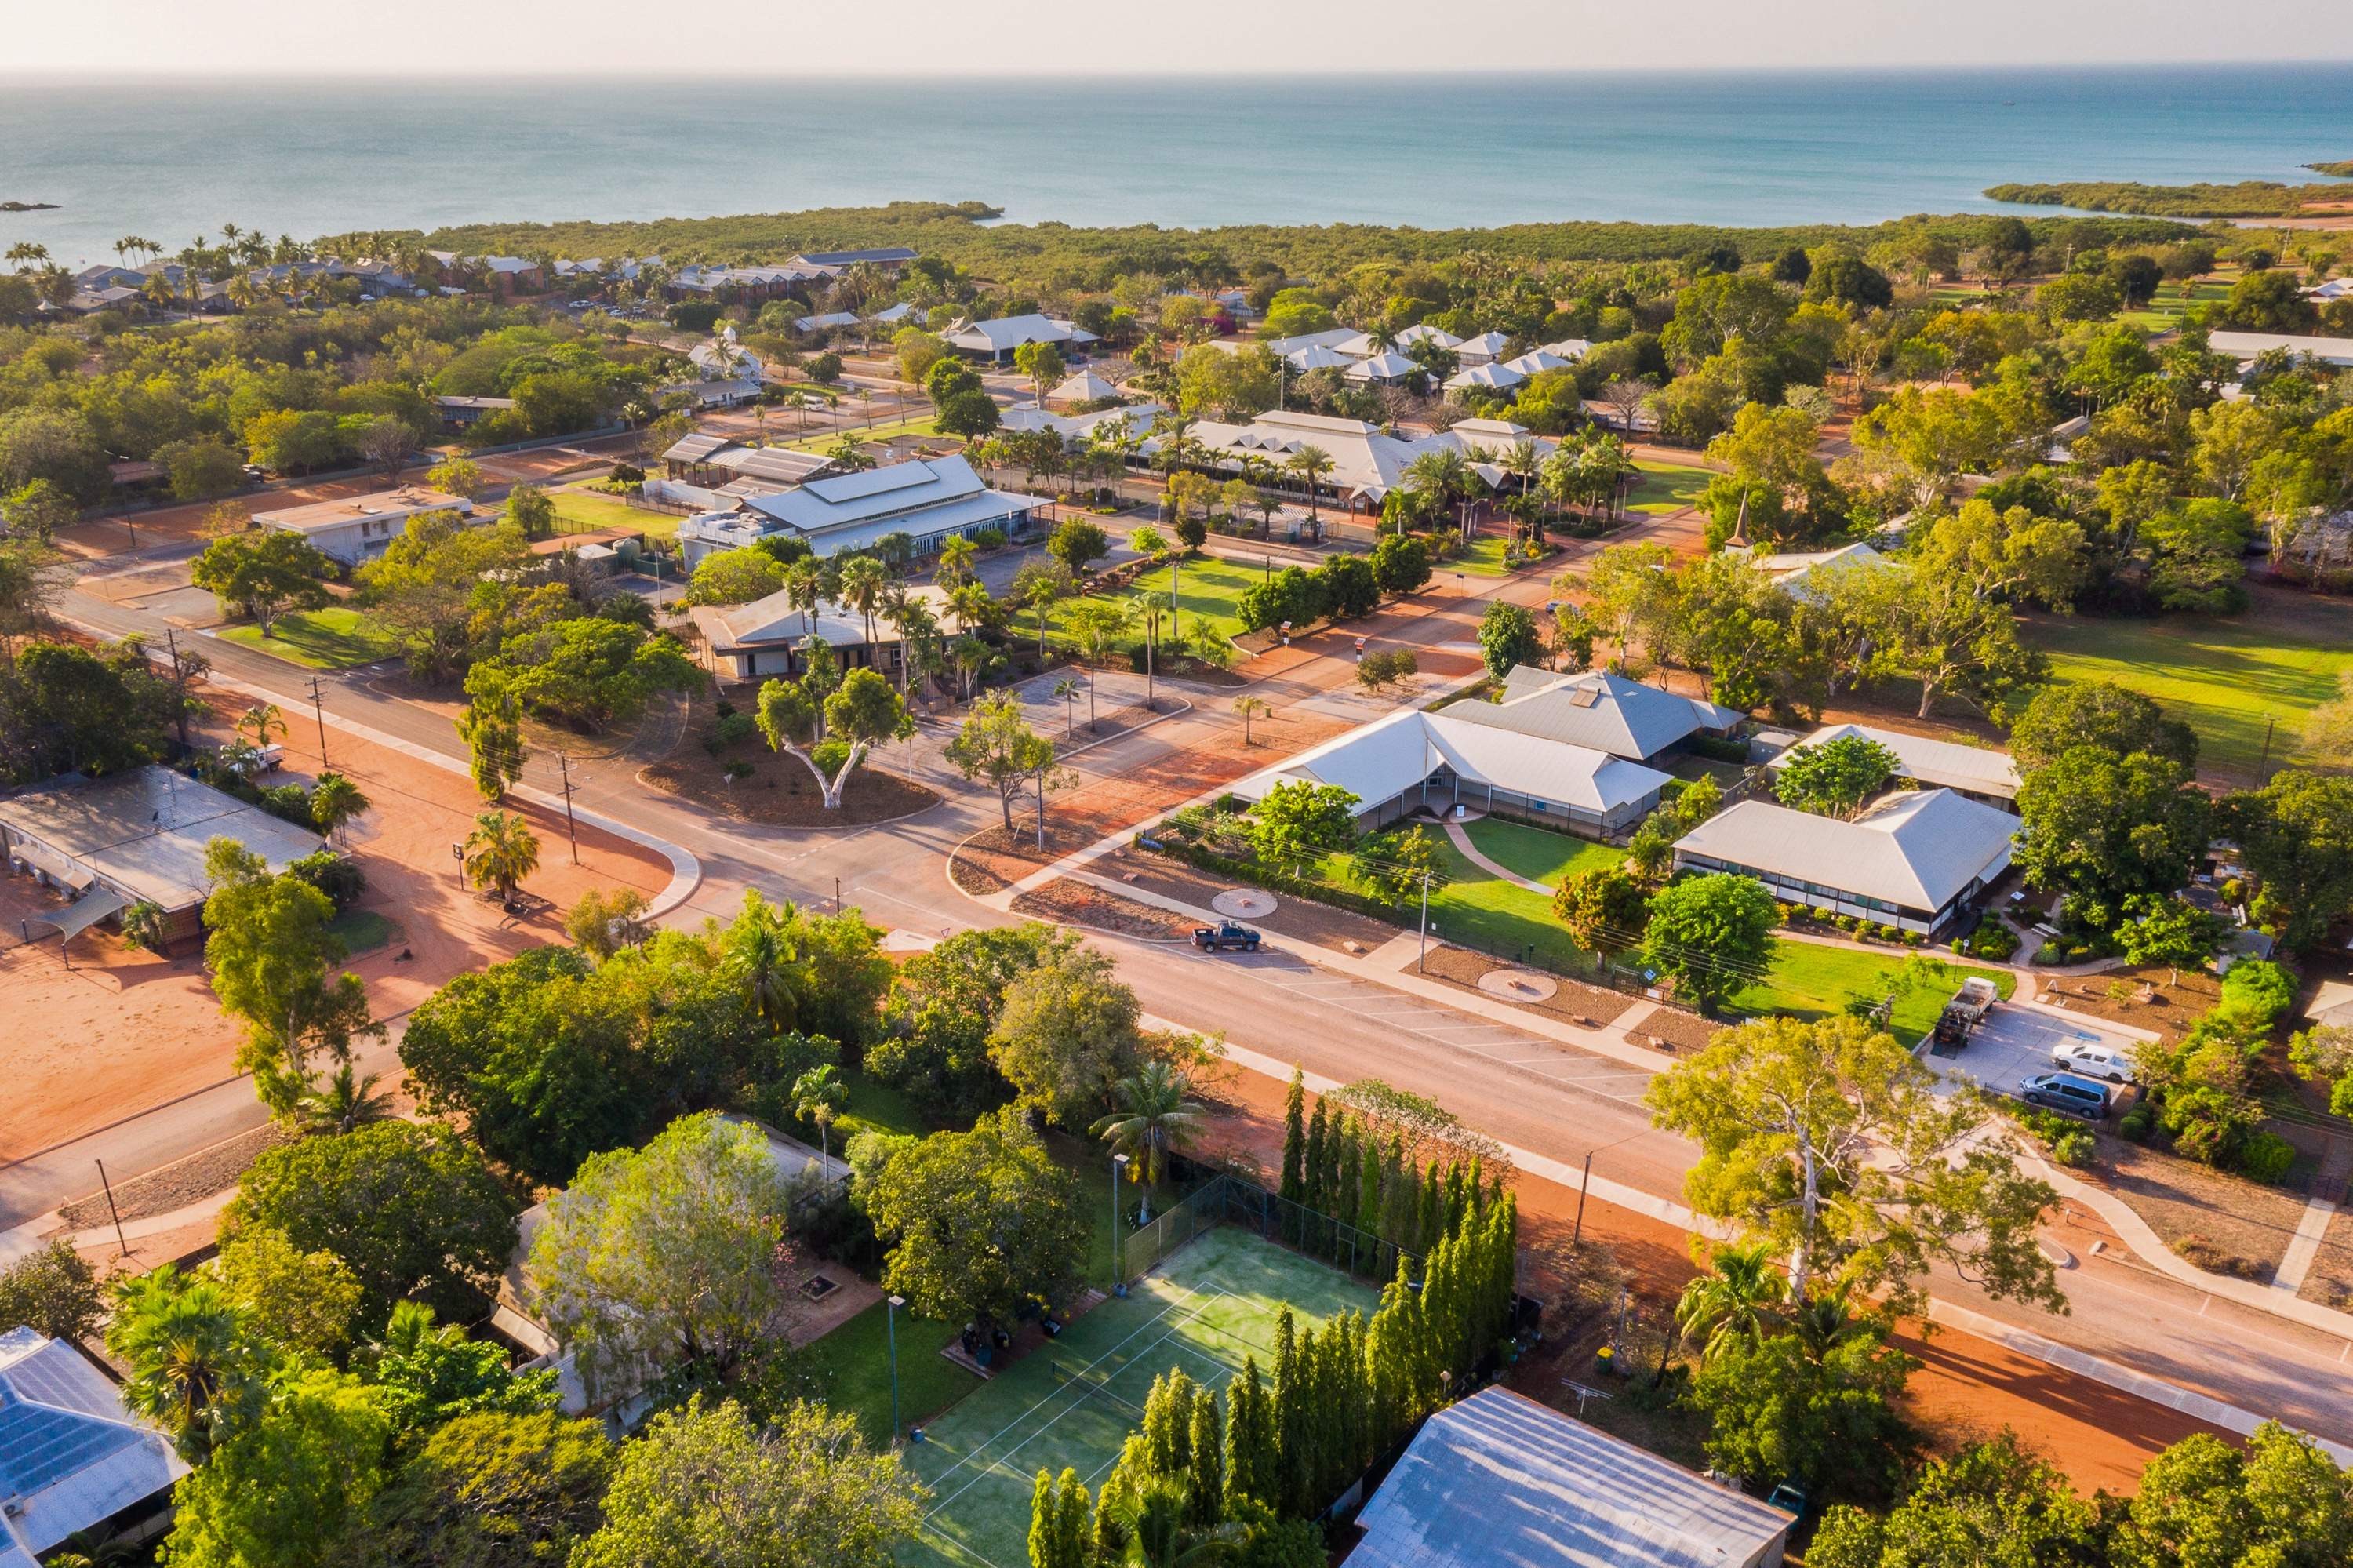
(1075, 903)
(1574, 1003)
(176, 1185)
(2165, 1001)
(778, 790)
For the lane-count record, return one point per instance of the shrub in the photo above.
(340, 878)
(2075, 1149)
(1717, 750)
(735, 726)
(2135, 1123)
(2048, 954)
(2262, 987)
(2203, 1253)
(739, 769)
(989, 539)
(2266, 1159)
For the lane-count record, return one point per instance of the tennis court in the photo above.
(1072, 1404)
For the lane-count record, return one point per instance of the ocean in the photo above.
(172, 160)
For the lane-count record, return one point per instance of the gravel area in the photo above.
(1672, 1027)
(1077, 904)
(1297, 917)
(175, 1186)
(2181, 1200)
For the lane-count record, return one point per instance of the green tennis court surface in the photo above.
(1072, 1403)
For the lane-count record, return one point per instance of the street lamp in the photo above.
(891, 1316)
(1119, 1276)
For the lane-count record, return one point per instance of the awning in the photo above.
(83, 913)
(72, 873)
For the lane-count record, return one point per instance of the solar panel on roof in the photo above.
(873, 482)
(41, 1447)
(55, 1375)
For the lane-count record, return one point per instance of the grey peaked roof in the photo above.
(1620, 717)
(70, 1455)
(1499, 1481)
(1917, 849)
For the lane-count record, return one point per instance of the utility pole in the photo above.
(112, 1212)
(319, 711)
(1421, 951)
(2270, 721)
(571, 828)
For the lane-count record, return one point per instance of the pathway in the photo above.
(1471, 853)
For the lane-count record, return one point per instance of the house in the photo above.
(896, 314)
(464, 413)
(995, 340)
(752, 641)
(1366, 463)
(831, 319)
(1496, 378)
(1497, 1480)
(1800, 572)
(927, 499)
(1914, 860)
(748, 284)
(1288, 347)
(356, 529)
(724, 358)
(113, 297)
(1536, 360)
(1567, 348)
(1484, 349)
(2247, 345)
(1363, 344)
(1079, 429)
(1318, 357)
(520, 1320)
(716, 393)
(1981, 774)
(1413, 761)
(1603, 712)
(1390, 369)
(1085, 387)
(134, 837)
(71, 1456)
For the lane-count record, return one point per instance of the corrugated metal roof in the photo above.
(1378, 761)
(1617, 716)
(70, 1455)
(145, 831)
(1938, 762)
(1917, 849)
(1499, 1481)
(695, 448)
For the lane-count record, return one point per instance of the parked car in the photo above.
(2093, 1059)
(2066, 1092)
(1215, 938)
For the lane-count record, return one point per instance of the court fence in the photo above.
(1230, 1200)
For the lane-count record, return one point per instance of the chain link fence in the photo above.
(1227, 1199)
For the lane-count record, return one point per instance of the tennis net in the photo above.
(1079, 1377)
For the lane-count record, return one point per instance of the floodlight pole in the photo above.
(1421, 952)
(892, 1318)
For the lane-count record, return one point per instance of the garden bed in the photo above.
(1294, 915)
(779, 791)
(2178, 999)
(1574, 1003)
(2230, 1224)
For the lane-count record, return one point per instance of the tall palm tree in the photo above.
(805, 587)
(1158, 1120)
(971, 604)
(344, 1102)
(500, 852)
(1150, 606)
(820, 1096)
(912, 619)
(970, 655)
(185, 1341)
(158, 290)
(334, 801)
(956, 553)
(1310, 463)
(862, 581)
(1732, 1300)
(759, 958)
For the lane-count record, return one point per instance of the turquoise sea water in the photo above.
(173, 159)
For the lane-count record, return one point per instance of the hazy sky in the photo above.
(1043, 39)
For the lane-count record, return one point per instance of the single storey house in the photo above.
(1499, 1481)
(1413, 761)
(464, 413)
(1601, 712)
(356, 529)
(1913, 861)
(930, 500)
(134, 837)
(995, 340)
(72, 1459)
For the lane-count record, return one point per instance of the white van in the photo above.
(2093, 1059)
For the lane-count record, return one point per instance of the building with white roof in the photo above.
(1975, 771)
(2247, 345)
(71, 1457)
(752, 641)
(928, 499)
(1496, 378)
(1317, 357)
(1077, 429)
(1499, 1481)
(1366, 463)
(1604, 712)
(1567, 348)
(1797, 571)
(996, 340)
(896, 314)
(1914, 860)
(1414, 760)
(888, 258)
(356, 529)
(1364, 344)
(1484, 349)
(1085, 387)
(1536, 360)
(831, 319)
(1389, 369)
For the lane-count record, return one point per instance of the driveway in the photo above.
(2014, 1041)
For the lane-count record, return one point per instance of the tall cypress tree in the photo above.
(1250, 1440)
(1294, 1137)
(1432, 1222)
(1291, 1415)
(1045, 1523)
(1348, 1185)
(1205, 1502)
(1075, 1528)
(1368, 1185)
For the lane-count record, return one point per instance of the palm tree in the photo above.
(1150, 606)
(970, 655)
(759, 958)
(912, 619)
(1158, 1121)
(1825, 1323)
(500, 851)
(1248, 707)
(1733, 1299)
(971, 604)
(820, 1095)
(956, 553)
(158, 290)
(862, 580)
(805, 587)
(186, 1340)
(1310, 463)
(334, 801)
(1066, 692)
(1152, 1517)
(346, 1101)
(262, 719)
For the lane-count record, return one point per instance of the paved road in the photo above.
(1529, 1093)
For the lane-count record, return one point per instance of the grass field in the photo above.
(1667, 487)
(578, 511)
(362, 930)
(1213, 589)
(332, 638)
(1816, 982)
(1480, 910)
(1485, 558)
(1203, 1309)
(2227, 678)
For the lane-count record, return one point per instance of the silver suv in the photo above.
(2066, 1092)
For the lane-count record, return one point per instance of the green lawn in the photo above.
(1816, 982)
(1539, 856)
(880, 1107)
(827, 440)
(1212, 588)
(362, 930)
(333, 639)
(854, 1361)
(580, 512)
(1667, 487)
(1485, 558)
(1502, 917)
(2225, 677)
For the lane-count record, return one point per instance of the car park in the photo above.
(2093, 1059)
